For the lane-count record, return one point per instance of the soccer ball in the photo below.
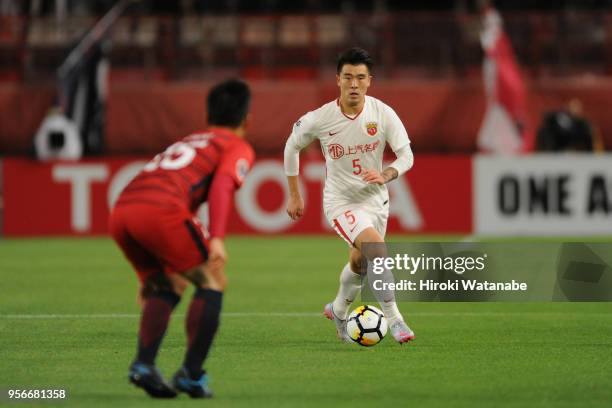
(366, 325)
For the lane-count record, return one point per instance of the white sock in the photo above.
(350, 285)
(386, 298)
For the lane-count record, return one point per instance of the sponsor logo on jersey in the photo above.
(333, 133)
(335, 150)
(362, 148)
(372, 128)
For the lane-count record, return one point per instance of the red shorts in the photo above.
(158, 239)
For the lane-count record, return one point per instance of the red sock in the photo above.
(153, 323)
(202, 323)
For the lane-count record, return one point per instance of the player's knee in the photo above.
(355, 261)
(161, 283)
(208, 277)
(152, 288)
(367, 251)
(215, 279)
(179, 284)
(222, 283)
(377, 251)
(375, 247)
(195, 276)
(370, 243)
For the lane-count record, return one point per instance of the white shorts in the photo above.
(351, 221)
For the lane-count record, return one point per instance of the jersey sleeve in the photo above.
(304, 131)
(302, 135)
(395, 132)
(219, 203)
(236, 162)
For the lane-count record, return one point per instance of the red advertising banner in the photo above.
(68, 198)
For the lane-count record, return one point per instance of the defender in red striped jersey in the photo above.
(183, 174)
(154, 223)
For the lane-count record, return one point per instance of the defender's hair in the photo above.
(355, 56)
(228, 103)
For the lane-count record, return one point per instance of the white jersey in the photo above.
(350, 146)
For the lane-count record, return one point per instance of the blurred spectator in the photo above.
(568, 130)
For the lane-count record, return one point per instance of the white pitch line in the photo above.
(298, 314)
(135, 315)
(70, 316)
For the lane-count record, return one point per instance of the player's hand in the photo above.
(372, 176)
(216, 253)
(295, 207)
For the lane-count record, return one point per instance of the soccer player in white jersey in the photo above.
(353, 131)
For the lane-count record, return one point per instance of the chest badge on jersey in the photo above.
(372, 128)
(242, 168)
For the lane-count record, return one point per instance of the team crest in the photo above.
(372, 128)
(242, 168)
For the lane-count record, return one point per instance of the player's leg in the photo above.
(160, 294)
(203, 316)
(204, 309)
(386, 298)
(337, 310)
(350, 285)
(347, 225)
(201, 325)
(158, 297)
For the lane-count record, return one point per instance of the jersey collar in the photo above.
(347, 116)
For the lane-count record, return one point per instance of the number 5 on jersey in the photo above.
(356, 167)
(176, 156)
(349, 216)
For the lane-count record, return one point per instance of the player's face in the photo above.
(353, 81)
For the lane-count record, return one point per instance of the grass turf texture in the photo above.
(465, 355)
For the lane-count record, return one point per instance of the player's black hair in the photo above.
(355, 56)
(228, 103)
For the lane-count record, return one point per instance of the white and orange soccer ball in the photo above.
(366, 325)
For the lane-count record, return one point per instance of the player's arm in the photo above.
(301, 136)
(227, 179)
(397, 137)
(219, 204)
(371, 176)
(403, 162)
(295, 205)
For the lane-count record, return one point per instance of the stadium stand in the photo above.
(164, 58)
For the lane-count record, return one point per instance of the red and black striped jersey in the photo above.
(183, 173)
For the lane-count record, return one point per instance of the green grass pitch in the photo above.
(68, 319)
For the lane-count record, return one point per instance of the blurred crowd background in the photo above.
(150, 70)
(278, 39)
